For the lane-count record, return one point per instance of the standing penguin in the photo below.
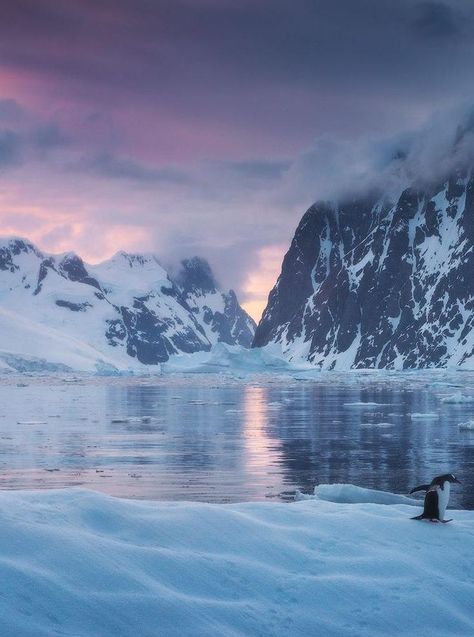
(436, 498)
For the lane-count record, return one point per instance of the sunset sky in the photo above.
(208, 126)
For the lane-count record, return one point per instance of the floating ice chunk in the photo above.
(351, 494)
(457, 398)
(466, 426)
(362, 404)
(31, 422)
(233, 359)
(299, 496)
(377, 424)
(421, 416)
(274, 405)
(133, 420)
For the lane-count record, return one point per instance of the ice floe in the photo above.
(352, 494)
(457, 398)
(422, 416)
(466, 426)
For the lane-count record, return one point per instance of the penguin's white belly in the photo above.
(443, 499)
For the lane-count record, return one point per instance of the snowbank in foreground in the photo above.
(79, 563)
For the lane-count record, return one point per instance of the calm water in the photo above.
(218, 439)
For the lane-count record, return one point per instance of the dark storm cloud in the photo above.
(10, 110)
(108, 165)
(436, 19)
(255, 64)
(10, 148)
(49, 136)
(255, 169)
(25, 137)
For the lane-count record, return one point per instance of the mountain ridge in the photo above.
(368, 285)
(128, 308)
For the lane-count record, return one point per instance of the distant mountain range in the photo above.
(57, 312)
(365, 284)
(369, 284)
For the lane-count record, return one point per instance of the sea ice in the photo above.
(352, 494)
(466, 426)
(421, 416)
(377, 424)
(457, 398)
(362, 404)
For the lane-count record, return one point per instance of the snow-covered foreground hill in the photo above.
(78, 563)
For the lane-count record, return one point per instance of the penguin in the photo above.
(436, 498)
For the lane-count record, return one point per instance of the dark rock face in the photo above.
(14, 248)
(74, 307)
(196, 276)
(220, 314)
(367, 285)
(128, 307)
(74, 269)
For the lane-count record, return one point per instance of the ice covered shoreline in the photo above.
(76, 562)
(221, 358)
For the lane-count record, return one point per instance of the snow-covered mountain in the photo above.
(58, 312)
(366, 284)
(219, 314)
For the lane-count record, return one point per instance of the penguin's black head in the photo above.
(446, 477)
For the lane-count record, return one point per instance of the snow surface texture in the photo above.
(368, 284)
(58, 313)
(80, 563)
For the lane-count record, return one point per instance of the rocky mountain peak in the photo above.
(196, 277)
(366, 284)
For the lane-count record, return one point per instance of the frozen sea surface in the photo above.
(219, 438)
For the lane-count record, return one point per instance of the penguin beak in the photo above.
(458, 481)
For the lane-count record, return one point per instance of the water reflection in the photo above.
(219, 439)
(262, 451)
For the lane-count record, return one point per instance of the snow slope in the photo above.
(76, 563)
(29, 346)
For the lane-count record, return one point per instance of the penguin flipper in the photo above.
(421, 487)
(418, 517)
